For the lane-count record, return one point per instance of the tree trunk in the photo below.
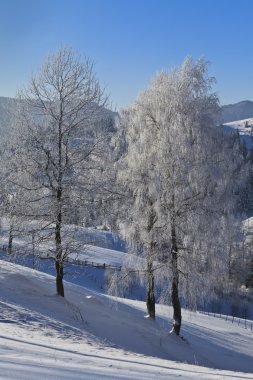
(150, 300)
(33, 248)
(177, 317)
(58, 245)
(59, 278)
(10, 240)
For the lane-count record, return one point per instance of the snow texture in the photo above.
(88, 335)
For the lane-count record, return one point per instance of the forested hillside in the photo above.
(237, 111)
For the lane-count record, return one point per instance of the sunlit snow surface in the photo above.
(244, 128)
(89, 336)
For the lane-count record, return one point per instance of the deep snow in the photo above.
(89, 335)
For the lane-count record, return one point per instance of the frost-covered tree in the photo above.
(11, 203)
(137, 213)
(60, 144)
(178, 168)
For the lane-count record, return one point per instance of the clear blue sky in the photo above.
(130, 40)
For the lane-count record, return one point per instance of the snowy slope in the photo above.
(89, 336)
(246, 132)
(84, 238)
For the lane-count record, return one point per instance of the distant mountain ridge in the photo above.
(238, 111)
(229, 113)
(6, 114)
(7, 107)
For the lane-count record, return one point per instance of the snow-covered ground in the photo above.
(88, 335)
(245, 129)
(90, 245)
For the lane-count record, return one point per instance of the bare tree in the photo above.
(60, 144)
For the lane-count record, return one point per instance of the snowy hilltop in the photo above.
(244, 128)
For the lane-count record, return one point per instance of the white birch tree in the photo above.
(178, 167)
(60, 145)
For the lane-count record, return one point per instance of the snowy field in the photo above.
(89, 335)
(91, 245)
(244, 128)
